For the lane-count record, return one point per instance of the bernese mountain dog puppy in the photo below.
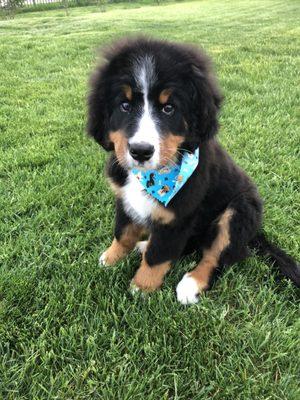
(154, 105)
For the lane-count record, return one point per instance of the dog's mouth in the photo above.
(144, 166)
(144, 155)
(154, 163)
(158, 152)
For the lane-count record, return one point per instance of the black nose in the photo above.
(141, 151)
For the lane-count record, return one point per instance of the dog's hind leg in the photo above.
(227, 242)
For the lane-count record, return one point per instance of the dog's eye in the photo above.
(125, 107)
(168, 109)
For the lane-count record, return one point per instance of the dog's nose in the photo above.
(141, 151)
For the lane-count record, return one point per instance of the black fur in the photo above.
(216, 185)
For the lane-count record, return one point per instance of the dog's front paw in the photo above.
(138, 288)
(103, 259)
(107, 258)
(187, 290)
(134, 289)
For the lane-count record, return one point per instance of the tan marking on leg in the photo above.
(168, 148)
(128, 92)
(120, 248)
(162, 215)
(120, 144)
(149, 278)
(164, 96)
(210, 259)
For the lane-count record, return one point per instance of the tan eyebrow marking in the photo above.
(128, 92)
(164, 96)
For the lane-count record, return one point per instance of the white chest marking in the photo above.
(137, 203)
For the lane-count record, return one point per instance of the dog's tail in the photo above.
(285, 263)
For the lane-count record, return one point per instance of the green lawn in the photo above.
(70, 329)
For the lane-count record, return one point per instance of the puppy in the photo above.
(151, 103)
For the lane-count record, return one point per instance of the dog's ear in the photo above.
(206, 99)
(98, 116)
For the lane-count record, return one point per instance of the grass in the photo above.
(71, 330)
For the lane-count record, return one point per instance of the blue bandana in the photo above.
(164, 183)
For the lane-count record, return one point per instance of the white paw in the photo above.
(102, 259)
(187, 290)
(141, 246)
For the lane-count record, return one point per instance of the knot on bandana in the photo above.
(164, 183)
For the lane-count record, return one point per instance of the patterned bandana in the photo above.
(164, 183)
